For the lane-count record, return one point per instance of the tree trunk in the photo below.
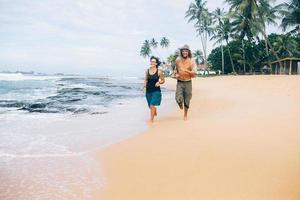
(271, 47)
(222, 50)
(232, 65)
(266, 44)
(244, 57)
(267, 50)
(205, 48)
(204, 41)
(290, 70)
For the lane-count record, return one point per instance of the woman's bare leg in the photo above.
(152, 113)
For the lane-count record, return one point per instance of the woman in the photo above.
(153, 79)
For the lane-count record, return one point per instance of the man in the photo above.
(185, 70)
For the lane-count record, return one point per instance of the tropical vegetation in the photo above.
(240, 35)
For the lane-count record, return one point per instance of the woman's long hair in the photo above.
(157, 61)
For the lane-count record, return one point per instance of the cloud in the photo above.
(90, 36)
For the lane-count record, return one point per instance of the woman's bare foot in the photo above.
(151, 123)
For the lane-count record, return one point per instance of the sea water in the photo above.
(50, 127)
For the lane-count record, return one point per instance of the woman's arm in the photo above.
(146, 80)
(161, 79)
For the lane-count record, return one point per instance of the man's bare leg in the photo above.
(180, 106)
(185, 113)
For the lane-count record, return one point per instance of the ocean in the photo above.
(51, 126)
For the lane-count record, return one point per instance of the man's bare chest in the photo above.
(184, 65)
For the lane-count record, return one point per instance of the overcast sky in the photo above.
(94, 37)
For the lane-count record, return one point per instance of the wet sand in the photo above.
(242, 141)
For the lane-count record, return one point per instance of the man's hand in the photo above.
(188, 71)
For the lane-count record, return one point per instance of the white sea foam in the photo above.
(22, 77)
(80, 85)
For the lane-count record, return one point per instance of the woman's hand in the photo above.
(157, 84)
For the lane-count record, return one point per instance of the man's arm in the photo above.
(194, 68)
(192, 72)
(177, 67)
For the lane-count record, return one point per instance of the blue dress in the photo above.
(153, 94)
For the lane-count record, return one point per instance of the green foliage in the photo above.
(203, 19)
(146, 49)
(286, 46)
(252, 54)
(243, 29)
(291, 16)
(172, 58)
(198, 56)
(147, 46)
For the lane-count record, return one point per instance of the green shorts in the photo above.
(183, 93)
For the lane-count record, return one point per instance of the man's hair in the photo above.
(189, 55)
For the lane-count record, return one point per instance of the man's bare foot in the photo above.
(185, 118)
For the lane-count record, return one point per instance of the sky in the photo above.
(92, 37)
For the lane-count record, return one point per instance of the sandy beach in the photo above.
(242, 141)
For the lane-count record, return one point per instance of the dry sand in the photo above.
(242, 141)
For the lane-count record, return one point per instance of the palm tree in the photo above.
(251, 17)
(198, 12)
(255, 59)
(172, 58)
(268, 16)
(223, 32)
(240, 58)
(227, 31)
(198, 55)
(218, 33)
(149, 45)
(291, 16)
(164, 42)
(286, 45)
(153, 43)
(146, 49)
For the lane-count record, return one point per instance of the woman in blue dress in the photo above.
(153, 79)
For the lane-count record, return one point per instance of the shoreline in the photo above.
(234, 146)
(61, 147)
